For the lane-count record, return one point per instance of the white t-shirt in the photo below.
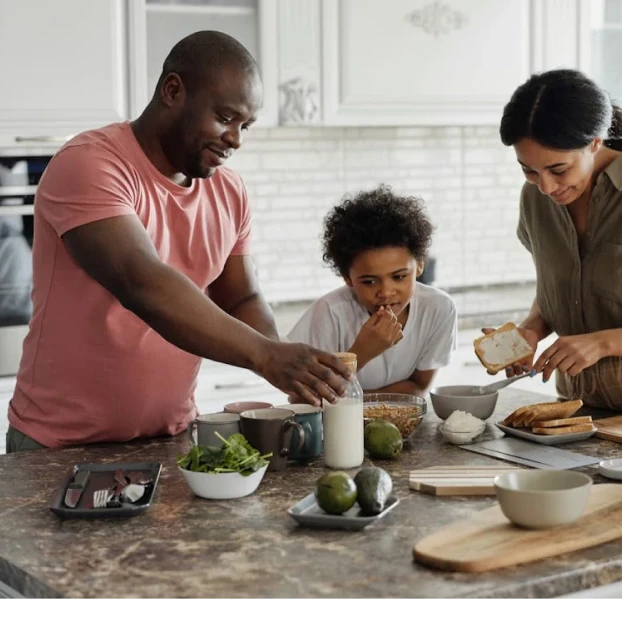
(333, 322)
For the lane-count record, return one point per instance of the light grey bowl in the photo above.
(448, 399)
(539, 499)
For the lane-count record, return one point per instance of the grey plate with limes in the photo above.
(307, 513)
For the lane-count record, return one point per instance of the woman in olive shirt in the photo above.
(563, 128)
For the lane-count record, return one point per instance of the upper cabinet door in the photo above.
(64, 68)
(601, 43)
(157, 25)
(422, 62)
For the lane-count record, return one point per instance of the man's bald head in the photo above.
(199, 58)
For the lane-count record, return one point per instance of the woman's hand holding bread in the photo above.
(515, 354)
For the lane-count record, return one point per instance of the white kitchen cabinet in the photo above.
(423, 62)
(600, 43)
(64, 68)
(157, 25)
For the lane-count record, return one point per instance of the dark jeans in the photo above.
(17, 441)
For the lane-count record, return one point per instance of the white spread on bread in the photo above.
(505, 346)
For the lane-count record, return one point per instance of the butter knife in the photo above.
(76, 488)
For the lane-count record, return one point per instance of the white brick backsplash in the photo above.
(469, 181)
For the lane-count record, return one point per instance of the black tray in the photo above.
(102, 477)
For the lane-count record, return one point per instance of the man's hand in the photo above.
(570, 354)
(524, 366)
(305, 373)
(380, 332)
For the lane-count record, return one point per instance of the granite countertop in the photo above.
(185, 546)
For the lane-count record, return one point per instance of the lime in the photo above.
(335, 492)
(383, 439)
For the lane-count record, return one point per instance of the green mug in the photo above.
(310, 419)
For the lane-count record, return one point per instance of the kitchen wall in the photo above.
(469, 180)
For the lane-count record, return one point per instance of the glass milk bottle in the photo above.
(343, 424)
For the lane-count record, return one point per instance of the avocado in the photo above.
(373, 486)
(335, 492)
(383, 439)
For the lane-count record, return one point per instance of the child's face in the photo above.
(384, 277)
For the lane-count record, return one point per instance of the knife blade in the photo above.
(76, 488)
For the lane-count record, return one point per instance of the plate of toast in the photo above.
(549, 423)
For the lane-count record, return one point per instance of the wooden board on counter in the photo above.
(457, 480)
(609, 429)
(488, 541)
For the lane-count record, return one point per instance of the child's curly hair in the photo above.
(372, 220)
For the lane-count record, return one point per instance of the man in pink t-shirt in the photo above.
(142, 267)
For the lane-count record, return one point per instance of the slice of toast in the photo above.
(564, 422)
(501, 348)
(509, 420)
(555, 411)
(519, 416)
(562, 430)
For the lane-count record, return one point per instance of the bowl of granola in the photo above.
(405, 411)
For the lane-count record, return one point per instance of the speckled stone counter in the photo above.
(189, 547)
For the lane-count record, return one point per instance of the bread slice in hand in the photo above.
(501, 348)
(564, 422)
(562, 430)
(551, 411)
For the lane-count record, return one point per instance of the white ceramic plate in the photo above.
(611, 468)
(547, 439)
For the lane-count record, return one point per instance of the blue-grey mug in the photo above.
(310, 419)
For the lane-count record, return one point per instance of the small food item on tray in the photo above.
(540, 412)
(503, 347)
(335, 492)
(564, 422)
(562, 430)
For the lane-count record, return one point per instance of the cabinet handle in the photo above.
(239, 384)
(42, 139)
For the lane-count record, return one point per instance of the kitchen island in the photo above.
(185, 546)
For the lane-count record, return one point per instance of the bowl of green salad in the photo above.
(233, 470)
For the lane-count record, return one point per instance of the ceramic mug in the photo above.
(310, 419)
(270, 431)
(244, 406)
(207, 425)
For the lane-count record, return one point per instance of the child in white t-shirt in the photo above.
(402, 331)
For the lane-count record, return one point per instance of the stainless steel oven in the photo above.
(20, 172)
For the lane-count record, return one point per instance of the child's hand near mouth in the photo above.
(381, 331)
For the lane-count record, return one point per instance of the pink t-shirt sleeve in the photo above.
(242, 246)
(82, 184)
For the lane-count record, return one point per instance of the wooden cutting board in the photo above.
(488, 541)
(609, 428)
(457, 480)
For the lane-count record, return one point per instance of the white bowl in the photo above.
(448, 399)
(224, 485)
(539, 499)
(461, 437)
(611, 468)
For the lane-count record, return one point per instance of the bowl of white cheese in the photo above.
(461, 428)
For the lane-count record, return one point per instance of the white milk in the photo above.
(343, 434)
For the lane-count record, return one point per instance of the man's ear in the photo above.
(420, 267)
(595, 145)
(348, 281)
(172, 91)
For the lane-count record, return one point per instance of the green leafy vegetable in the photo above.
(235, 455)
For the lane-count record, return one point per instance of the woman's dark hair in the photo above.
(561, 109)
(372, 220)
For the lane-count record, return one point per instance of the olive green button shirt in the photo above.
(579, 291)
